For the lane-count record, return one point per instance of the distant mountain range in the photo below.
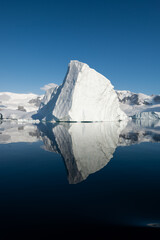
(16, 105)
(136, 104)
(130, 98)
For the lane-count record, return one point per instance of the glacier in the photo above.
(139, 105)
(19, 106)
(85, 95)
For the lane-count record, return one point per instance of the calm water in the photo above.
(80, 174)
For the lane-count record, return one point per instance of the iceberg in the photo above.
(85, 95)
(50, 92)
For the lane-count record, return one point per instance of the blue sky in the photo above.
(119, 39)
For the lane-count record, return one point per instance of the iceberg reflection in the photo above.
(85, 148)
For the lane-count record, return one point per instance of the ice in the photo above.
(134, 104)
(18, 105)
(85, 95)
(51, 90)
(12, 101)
(19, 115)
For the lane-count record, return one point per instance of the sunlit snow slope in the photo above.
(16, 105)
(139, 105)
(85, 95)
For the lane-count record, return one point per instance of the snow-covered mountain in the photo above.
(139, 105)
(130, 98)
(18, 101)
(85, 95)
(16, 105)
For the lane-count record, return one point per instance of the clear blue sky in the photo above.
(118, 38)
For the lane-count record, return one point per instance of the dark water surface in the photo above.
(68, 178)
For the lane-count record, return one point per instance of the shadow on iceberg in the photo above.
(85, 148)
(85, 95)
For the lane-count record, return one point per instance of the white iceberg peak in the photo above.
(77, 63)
(85, 95)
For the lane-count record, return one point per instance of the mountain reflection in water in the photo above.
(85, 147)
(35, 194)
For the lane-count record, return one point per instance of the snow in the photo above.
(85, 95)
(130, 98)
(19, 115)
(19, 106)
(136, 104)
(11, 101)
